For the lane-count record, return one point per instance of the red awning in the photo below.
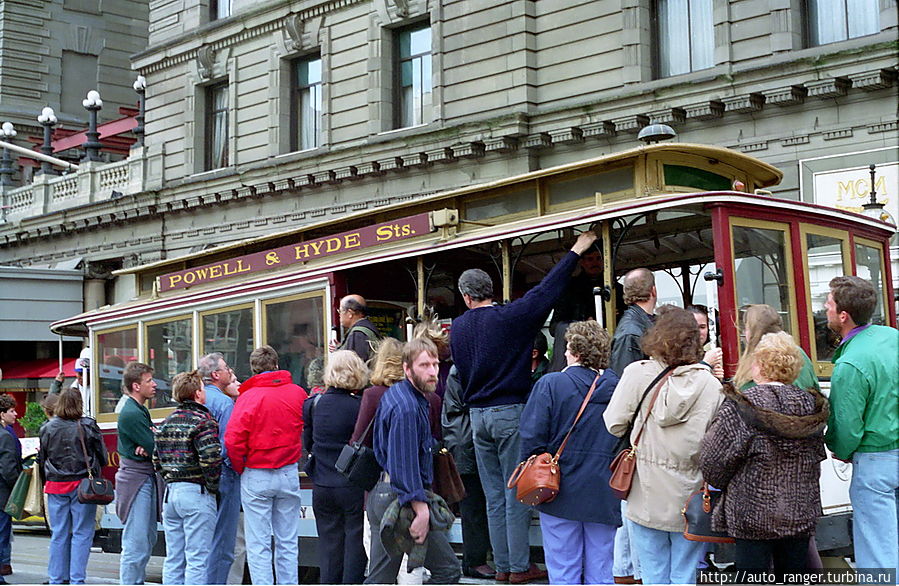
(47, 368)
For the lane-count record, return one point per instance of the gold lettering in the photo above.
(881, 185)
(302, 251)
(174, 279)
(352, 240)
(215, 272)
(383, 233)
(844, 187)
(407, 230)
(317, 246)
(272, 259)
(203, 273)
(333, 245)
(189, 278)
(241, 268)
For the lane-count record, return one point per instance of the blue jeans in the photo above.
(874, 493)
(188, 517)
(577, 552)
(665, 556)
(139, 535)
(5, 538)
(271, 507)
(73, 534)
(626, 562)
(221, 550)
(496, 444)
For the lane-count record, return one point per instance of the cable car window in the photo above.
(503, 204)
(295, 329)
(869, 266)
(114, 351)
(761, 264)
(696, 178)
(824, 255)
(231, 333)
(582, 188)
(169, 351)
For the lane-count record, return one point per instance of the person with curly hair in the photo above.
(768, 440)
(673, 418)
(577, 539)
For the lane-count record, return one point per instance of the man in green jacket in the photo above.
(864, 420)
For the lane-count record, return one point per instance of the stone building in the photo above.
(269, 114)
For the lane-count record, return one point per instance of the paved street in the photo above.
(30, 550)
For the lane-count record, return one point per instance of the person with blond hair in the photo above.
(758, 320)
(764, 450)
(63, 466)
(337, 504)
(188, 456)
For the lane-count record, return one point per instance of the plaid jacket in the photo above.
(188, 447)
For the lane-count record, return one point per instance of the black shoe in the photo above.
(483, 572)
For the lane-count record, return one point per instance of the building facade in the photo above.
(266, 115)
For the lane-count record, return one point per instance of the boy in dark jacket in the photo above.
(189, 457)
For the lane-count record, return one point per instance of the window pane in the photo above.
(825, 261)
(674, 48)
(863, 17)
(414, 78)
(501, 205)
(296, 329)
(827, 21)
(169, 351)
(586, 187)
(114, 351)
(309, 102)
(421, 41)
(868, 267)
(231, 333)
(702, 35)
(218, 124)
(762, 270)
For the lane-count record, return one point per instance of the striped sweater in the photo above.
(188, 447)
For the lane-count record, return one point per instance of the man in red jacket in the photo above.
(264, 441)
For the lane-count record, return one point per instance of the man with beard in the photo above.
(864, 424)
(403, 447)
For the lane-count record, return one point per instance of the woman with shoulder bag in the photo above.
(667, 429)
(62, 462)
(579, 524)
(337, 503)
(764, 450)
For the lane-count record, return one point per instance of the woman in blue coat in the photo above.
(579, 524)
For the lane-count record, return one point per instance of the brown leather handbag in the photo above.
(625, 463)
(447, 482)
(537, 479)
(697, 514)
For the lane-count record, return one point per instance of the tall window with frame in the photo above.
(830, 21)
(307, 103)
(217, 126)
(413, 76)
(219, 9)
(685, 36)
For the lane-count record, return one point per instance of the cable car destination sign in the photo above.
(299, 253)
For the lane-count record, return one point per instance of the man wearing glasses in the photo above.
(361, 333)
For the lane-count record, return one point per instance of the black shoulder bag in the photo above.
(357, 463)
(93, 491)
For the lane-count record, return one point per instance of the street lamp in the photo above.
(140, 86)
(92, 145)
(875, 209)
(6, 168)
(48, 120)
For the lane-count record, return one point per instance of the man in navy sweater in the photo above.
(491, 348)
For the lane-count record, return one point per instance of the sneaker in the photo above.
(533, 573)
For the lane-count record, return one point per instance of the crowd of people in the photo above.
(489, 396)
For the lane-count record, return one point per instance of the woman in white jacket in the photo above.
(667, 470)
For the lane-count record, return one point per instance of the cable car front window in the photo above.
(761, 270)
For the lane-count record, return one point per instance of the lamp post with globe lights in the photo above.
(92, 145)
(48, 120)
(140, 86)
(6, 163)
